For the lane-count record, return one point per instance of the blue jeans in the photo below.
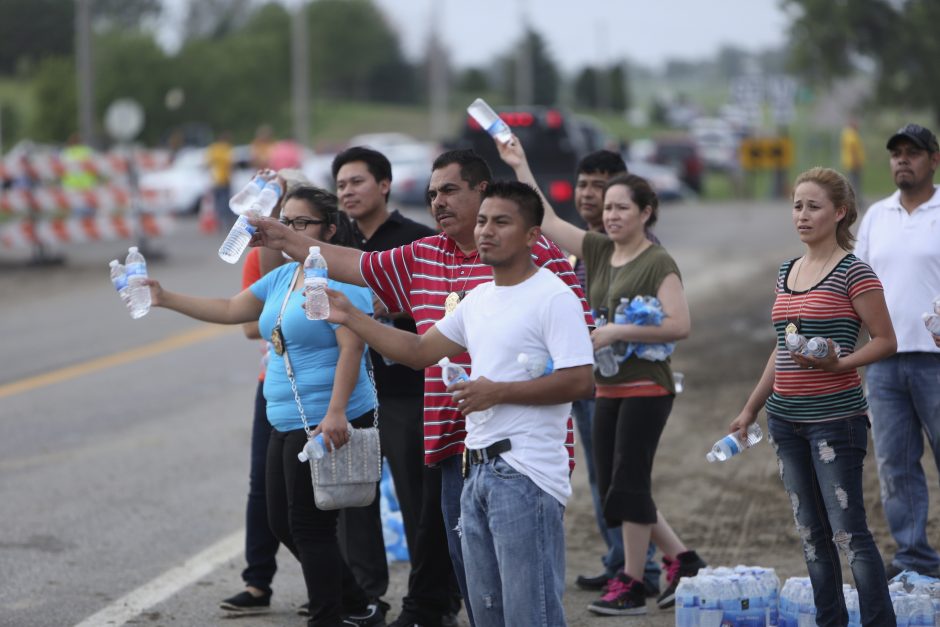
(451, 490)
(515, 532)
(613, 560)
(821, 468)
(904, 394)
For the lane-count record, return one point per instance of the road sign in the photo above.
(766, 153)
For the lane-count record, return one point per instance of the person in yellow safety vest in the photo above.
(853, 155)
(76, 176)
(219, 158)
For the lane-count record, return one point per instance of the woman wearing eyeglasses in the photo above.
(335, 391)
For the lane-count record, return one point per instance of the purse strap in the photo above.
(293, 380)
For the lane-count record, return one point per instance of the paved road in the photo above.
(123, 444)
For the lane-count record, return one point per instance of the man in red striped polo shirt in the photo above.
(426, 279)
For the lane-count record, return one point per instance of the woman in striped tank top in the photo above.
(816, 410)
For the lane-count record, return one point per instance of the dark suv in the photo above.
(554, 141)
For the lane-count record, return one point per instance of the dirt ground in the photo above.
(734, 512)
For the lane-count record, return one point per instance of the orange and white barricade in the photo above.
(58, 231)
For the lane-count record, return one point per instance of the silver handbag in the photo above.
(348, 476)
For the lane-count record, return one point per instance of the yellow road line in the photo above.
(173, 342)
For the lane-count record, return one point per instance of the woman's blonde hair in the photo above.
(840, 192)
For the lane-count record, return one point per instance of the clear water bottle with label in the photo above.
(620, 317)
(605, 362)
(119, 281)
(818, 347)
(237, 239)
(318, 303)
(932, 322)
(536, 365)
(136, 268)
(246, 197)
(451, 373)
(730, 445)
(313, 449)
(489, 120)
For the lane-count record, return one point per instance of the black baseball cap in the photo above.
(918, 135)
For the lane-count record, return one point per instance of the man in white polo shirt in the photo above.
(516, 464)
(899, 237)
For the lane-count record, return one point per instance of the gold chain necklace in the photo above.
(453, 299)
(795, 327)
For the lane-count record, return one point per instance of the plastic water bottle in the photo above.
(313, 449)
(119, 281)
(796, 343)
(932, 322)
(604, 359)
(536, 365)
(818, 347)
(452, 373)
(729, 446)
(237, 239)
(620, 317)
(318, 303)
(136, 267)
(246, 197)
(687, 602)
(489, 120)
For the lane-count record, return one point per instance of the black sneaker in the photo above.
(371, 617)
(586, 582)
(651, 590)
(685, 565)
(625, 597)
(246, 603)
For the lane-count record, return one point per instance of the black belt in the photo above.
(483, 455)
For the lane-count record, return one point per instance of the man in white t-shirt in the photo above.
(516, 465)
(899, 237)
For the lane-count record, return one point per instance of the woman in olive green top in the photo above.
(633, 405)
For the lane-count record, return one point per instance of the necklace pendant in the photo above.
(451, 302)
(791, 329)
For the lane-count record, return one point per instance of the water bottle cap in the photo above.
(132, 249)
(444, 362)
(522, 358)
(113, 262)
(711, 457)
(314, 250)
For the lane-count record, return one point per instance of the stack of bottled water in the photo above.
(605, 361)
(642, 311)
(744, 596)
(916, 601)
(257, 199)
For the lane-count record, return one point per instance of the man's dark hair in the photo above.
(377, 163)
(526, 198)
(602, 162)
(325, 203)
(473, 169)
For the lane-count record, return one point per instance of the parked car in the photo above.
(554, 140)
(716, 141)
(681, 153)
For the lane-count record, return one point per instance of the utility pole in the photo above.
(437, 75)
(85, 72)
(300, 74)
(524, 88)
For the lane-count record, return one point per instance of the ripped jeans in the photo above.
(821, 468)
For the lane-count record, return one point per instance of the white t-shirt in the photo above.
(495, 323)
(904, 251)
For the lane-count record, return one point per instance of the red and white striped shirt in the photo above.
(416, 279)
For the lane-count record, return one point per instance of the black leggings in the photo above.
(308, 531)
(626, 435)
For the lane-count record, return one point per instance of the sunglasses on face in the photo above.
(300, 224)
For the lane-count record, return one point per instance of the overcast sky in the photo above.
(582, 32)
(578, 32)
